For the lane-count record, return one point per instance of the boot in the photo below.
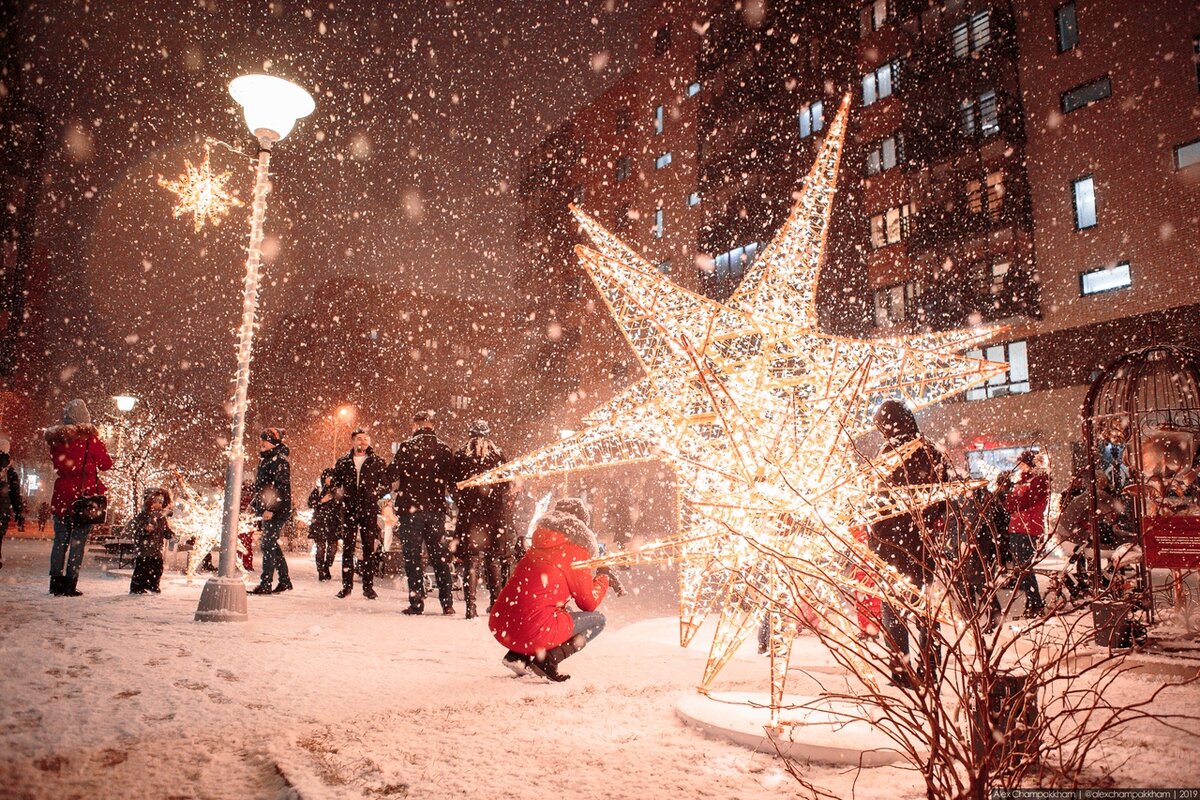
(284, 586)
(262, 588)
(69, 589)
(547, 666)
(517, 662)
(56, 585)
(369, 593)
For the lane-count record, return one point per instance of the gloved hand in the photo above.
(613, 582)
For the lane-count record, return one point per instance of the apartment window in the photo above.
(658, 223)
(663, 161)
(811, 118)
(986, 197)
(1196, 58)
(895, 304)
(1083, 192)
(1106, 279)
(1085, 95)
(664, 267)
(734, 262)
(580, 194)
(624, 119)
(658, 119)
(1066, 27)
(880, 82)
(693, 89)
(885, 154)
(994, 271)
(624, 165)
(1187, 155)
(980, 115)
(662, 41)
(874, 16)
(693, 199)
(891, 226)
(1014, 381)
(971, 35)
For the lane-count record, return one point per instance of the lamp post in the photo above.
(125, 404)
(271, 106)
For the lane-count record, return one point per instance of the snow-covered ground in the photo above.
(112, 695)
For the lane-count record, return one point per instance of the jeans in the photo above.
(428, 528)
(147, 573)
(69, 541)
(589, 623)
(368, 531)
(272, 553)
(1021, 548)
(326, 550)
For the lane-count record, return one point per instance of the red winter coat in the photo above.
(67, 445)
(530, 613)
(1026, 504)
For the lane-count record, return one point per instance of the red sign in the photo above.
(1172, 542)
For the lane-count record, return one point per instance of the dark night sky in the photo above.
(406, 172)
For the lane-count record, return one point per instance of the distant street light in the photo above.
(125, 403)
(271, 106)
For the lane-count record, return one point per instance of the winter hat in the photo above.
(154, 491)
(479, 428)
(272, 435)
(423, 416)
(76, 413)
(896, 422)
(575, 507)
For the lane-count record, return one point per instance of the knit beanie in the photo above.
(575, 507)
(273, 435)
(76, 413)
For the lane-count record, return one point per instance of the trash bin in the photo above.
(1115, 626)
(1012, 719)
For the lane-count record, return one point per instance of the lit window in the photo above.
(1109, 279)
(693, 89)
(873, 16)
(1187, 155)
(1083, 96)
(891, 226)
(971, 35)
(812, 119)
(1066, 27)
(663, 161)
(979, 115)
(986, 197)
(734, 262)
(1084, 192)
(895, 304)
(658, 223)
(1014, 381)
(880, 83)
(885, 154)
(693, 199)
(658, 119)
(664, 267)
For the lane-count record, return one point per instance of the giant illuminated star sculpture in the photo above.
(758, 411)
(201, 193)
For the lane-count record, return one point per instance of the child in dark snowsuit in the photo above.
(149, 531)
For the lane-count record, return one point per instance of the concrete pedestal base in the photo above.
(816, 733)
(222, 600)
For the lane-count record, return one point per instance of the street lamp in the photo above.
(271, 106)
(125, 403)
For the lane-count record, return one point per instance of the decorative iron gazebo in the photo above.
(1141, 426)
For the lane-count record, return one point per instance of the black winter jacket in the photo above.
(361, 491)
(423, 473)
(273, 485)
(10, 491)
(479, 503)
(149, 531)
(328, 517)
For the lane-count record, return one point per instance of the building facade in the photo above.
(1031, 166)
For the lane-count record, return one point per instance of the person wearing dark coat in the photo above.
(530, 616)
(272, 492)
(972, 531)
(907, 542)
(482, 529)
(78, 456)
(149, 531)
(362, 479)
(327, 522)
(11, 505)
(423, 475)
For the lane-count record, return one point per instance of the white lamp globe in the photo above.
(271, 105)
(125, 403)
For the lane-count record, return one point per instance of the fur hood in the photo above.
(572, 529)
(57, 435)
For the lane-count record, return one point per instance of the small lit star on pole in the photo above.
(201, 192)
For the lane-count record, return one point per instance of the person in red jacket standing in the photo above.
(530, 616)
(78, 456)
(1026, 507)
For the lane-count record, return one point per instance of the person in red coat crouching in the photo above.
(530, 616)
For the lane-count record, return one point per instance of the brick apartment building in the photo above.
(1032, 165)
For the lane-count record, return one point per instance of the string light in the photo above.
(759, 413)
(201, 193)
